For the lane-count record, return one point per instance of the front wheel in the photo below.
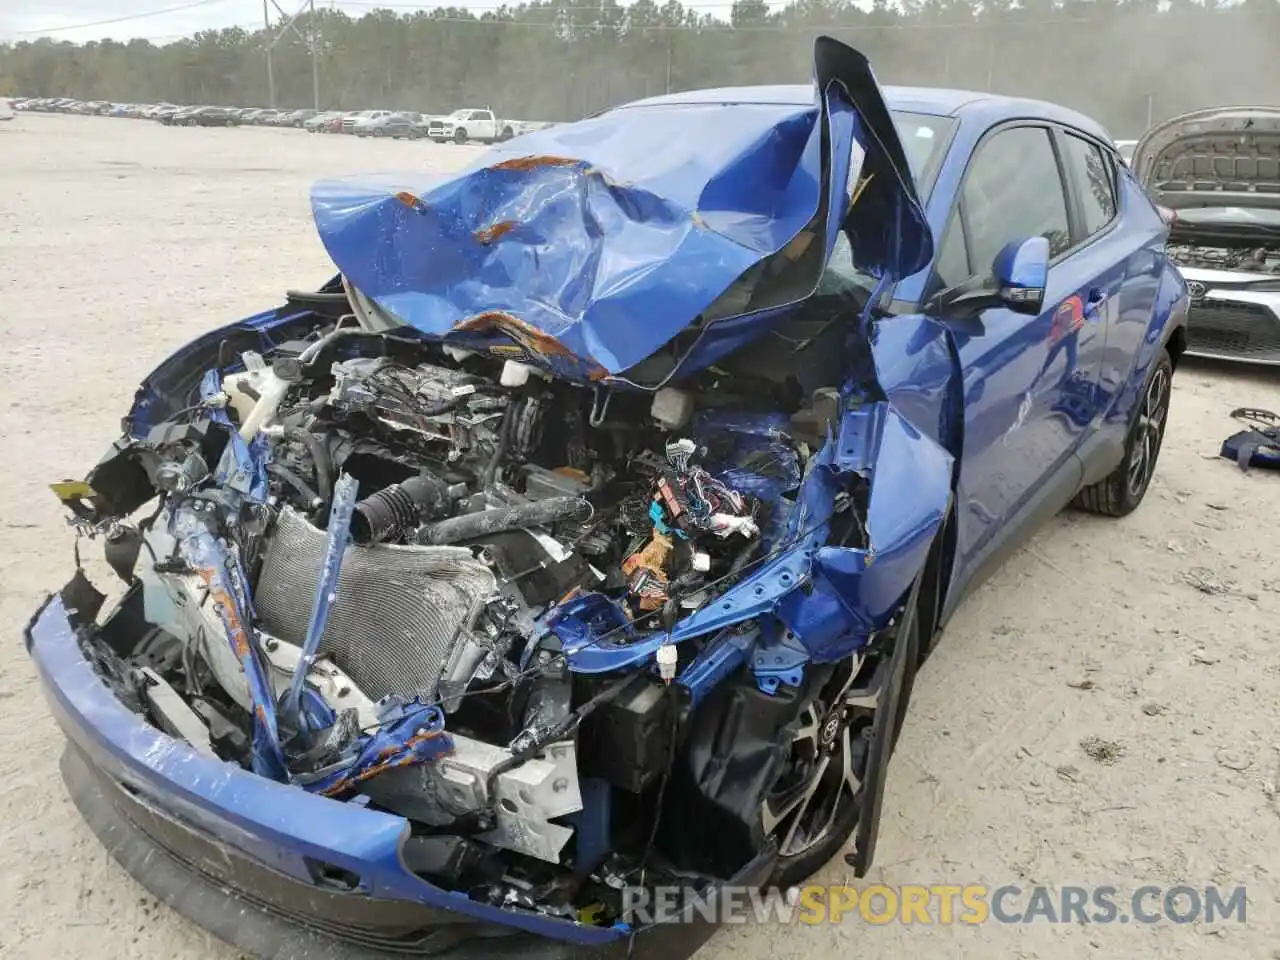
(1119, 494)
(834, 780)
(460, 137)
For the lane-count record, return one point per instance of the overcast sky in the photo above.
(164, 20)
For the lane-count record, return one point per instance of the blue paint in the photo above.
(276, 824)
(593, 825)
(613, 234)
(719, 658)
(414, 734)
(337, 536)
(220, 569)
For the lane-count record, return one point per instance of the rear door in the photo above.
(1110, 286)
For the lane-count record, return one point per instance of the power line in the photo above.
(123, 19)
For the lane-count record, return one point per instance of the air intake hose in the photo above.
(498, 520)
(396, 510)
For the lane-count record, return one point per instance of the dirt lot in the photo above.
(121, 239)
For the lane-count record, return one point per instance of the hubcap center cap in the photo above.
(830, 729)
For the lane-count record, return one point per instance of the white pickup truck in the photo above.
(482, 126)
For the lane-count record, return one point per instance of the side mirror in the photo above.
(1020, 273)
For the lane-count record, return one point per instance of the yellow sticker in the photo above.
(67, 490)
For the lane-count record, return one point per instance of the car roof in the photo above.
(935, 101)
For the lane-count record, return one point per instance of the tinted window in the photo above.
(1092, 172)
(1013, 190)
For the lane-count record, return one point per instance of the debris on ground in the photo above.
(1205, 580)
(1083, 684)
(1201, 656)
(1154, 709)
(1102, 751)
(1233, 759)
(1069, 773)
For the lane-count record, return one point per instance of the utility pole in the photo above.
(669, 42)
(291, 23)
(315, 61)
(271, 77)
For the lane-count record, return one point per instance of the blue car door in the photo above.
(1029, 381)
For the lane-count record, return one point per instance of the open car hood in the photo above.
(1221, 157)
(589, 246)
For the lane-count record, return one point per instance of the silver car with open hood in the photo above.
(1217, 174)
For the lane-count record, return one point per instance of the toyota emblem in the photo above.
(1197, 290)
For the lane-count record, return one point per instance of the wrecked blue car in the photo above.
(584, 534)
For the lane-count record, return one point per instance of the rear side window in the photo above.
(1096, 182)
(1013, 190)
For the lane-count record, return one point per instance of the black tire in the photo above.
(460, 137)
(1119, 493)
(891, 678)
(507, 133)
(379, 132)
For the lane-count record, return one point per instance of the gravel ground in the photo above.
(119, 240)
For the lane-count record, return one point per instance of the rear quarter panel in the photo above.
(1151, 305)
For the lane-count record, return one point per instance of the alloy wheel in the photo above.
(1149, 432)
(819, 792)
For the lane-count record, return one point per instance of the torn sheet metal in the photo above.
(599, 241)
(222, 573)
(336, 539)
(412, 734)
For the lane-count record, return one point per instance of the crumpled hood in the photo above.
(596, 243)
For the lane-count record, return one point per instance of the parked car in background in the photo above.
(6, 109)
(177, 117)
(335, 123)
(203, 117)
(480, 125)
(401, 125)
(1216, 172)
(296, 118)
(316, 123)
(352, 120)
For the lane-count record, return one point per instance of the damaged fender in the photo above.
(830, 598)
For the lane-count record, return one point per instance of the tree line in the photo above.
(1122, 62)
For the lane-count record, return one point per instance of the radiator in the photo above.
(396, 612)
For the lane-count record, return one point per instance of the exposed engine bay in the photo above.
(1243, 259)
(1238, 239)
(346, 547)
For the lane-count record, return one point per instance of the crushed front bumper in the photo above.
(271, 869)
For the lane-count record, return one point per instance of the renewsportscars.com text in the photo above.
(940, 904)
